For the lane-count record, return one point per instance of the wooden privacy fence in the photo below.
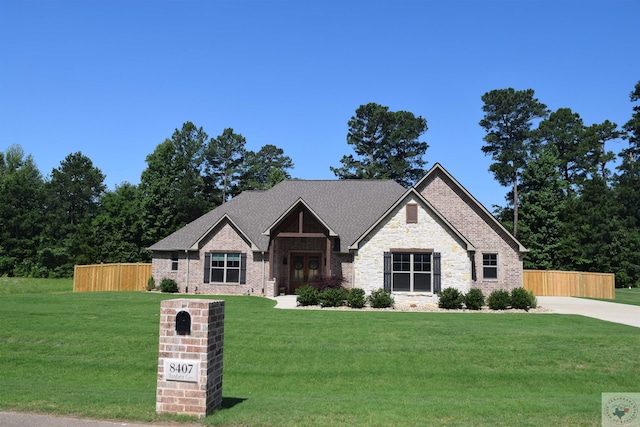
(570, 284)
(111, 277)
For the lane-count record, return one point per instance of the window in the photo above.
(411, 272)
(174, 261)
(412, 213)
(490, 266)
(224, 267)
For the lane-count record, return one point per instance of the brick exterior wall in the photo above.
(223, 238)
(476, 225)
(203, 345)
(428, 233)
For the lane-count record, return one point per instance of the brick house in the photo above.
(373, 233)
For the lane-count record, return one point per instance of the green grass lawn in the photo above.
(15, 286)
(628, 296)
(95, 355)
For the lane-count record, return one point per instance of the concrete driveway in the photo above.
(609, 311)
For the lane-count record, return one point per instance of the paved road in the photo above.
(609, 311)
(10, 419)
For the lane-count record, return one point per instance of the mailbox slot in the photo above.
(183, 323)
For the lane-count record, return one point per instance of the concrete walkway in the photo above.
(286, 301)
(609, 311)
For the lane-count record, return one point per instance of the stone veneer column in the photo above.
(192, 382)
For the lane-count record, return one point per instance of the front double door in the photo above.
(304, 269)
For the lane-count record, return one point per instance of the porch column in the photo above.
(328, 258)
(272, 249)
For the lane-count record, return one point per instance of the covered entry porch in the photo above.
(300, 249)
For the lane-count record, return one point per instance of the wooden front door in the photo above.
(304, 268)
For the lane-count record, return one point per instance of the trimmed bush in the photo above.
(169, 286)
(451, 299)
(474, 299)
(356, 298)
(151, 284)
(307, 295)
(522, 299)
(499, 300)
(331, 297)
(380, 299)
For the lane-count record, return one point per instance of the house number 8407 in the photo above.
(180, 368)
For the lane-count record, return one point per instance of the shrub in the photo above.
(331, 282)
(307, 295)
(331, 297)
(380, 299)
(522, 299)
(151, 283)
(474, 299)
(450, 298)
(499, 300)
(168, 285)
(356, 298)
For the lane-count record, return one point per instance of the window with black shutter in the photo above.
(412, 271)
(222, 267)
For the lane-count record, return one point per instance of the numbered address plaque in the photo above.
(186, 370)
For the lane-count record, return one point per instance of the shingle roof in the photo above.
(348, 207)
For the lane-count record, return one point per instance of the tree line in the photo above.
(564, 202)
(70, 218)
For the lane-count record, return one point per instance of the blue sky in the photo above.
(113, 78)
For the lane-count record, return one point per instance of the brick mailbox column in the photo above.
(190, 357)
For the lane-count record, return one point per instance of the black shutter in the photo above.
(387, 271)
(472, 256)
(437, 281)
(243, 269)
(207, 267)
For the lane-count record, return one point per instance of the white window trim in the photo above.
(492, 279)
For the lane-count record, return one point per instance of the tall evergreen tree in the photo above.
(508, 121)
(172, 184)
(386, 144)
(542, 204)
(73, 196)
(565, 130)
(593, 234)
(627, 201)
(225, 156)
(632, 127)
(264, 169)
(21, 212)
(119, 227)
(597, 155)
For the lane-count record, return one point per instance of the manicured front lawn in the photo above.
(624, 296)
(18, 285)
(95, 355)
(628, 296)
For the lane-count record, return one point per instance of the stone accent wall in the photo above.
(428, 233)
(203, 345)
(478, 227)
